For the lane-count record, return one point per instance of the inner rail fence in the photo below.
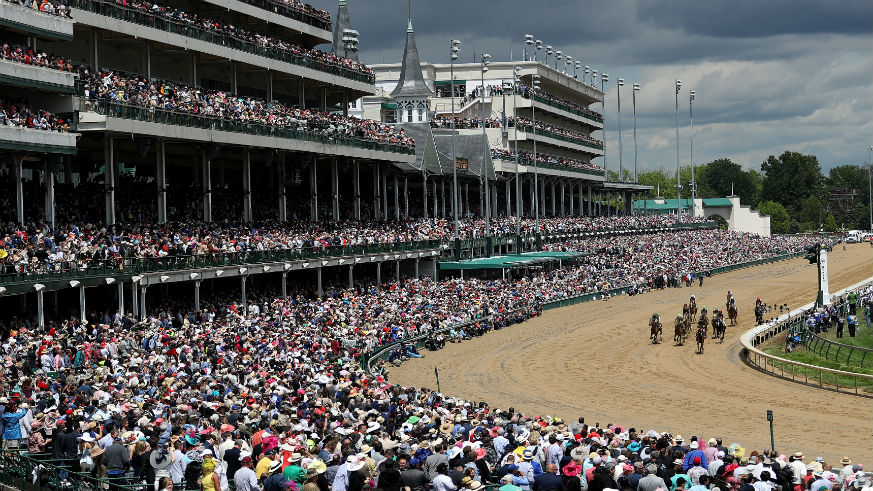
(804, 373)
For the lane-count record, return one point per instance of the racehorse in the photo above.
(700, 337)
(679, 333)
(703, 323)
(759, 314)
(732, 312)
(718, 327)
(657, 331)
(692, 308)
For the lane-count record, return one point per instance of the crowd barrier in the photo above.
(839, 380)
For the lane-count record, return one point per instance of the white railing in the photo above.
(794, 370)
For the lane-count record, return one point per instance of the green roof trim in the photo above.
(449, 82)
(722, 202)
(389, 106)
(508, 261)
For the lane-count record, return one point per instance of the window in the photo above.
(409, 115)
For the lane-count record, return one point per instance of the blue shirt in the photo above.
(11, 428)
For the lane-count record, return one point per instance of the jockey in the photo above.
(703, 311)
(693, 300)
(758, 302)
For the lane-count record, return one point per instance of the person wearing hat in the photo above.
(412, 476)
(245, 479)
(507, 485)
(293, 471)
(161, 459)
(798, 467)
(549, 480)
(274, 480)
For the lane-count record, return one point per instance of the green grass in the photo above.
(812, 375)
(863, 336)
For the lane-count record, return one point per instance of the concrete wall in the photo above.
(739, 217)
(34, 21)
(42, 76)
(37, 140)
(274, 18)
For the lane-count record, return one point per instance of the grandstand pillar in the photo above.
(19, 188)
(443, 196)
(384, 173)
(376, 191)
(193, 72)
(628, 203)
(94, 61)
(81, 302)
(142, 302)
(320, 290)
(49, 176)
(161, 181)
(283, 203)
(345, 103)
(242, 289)
(424, 190)
(247, 186)
(542, 200)
(435, 271)
(233, 87)
(519, 197)
(301, 94)
(284, 285)
(379, 273)
(351, 276)
(120, 296)
(109, 177)
(466, 207)
(406, 196)
(416, 268)
(396, 200)
(508, 199)
(40, 309)
(493, 191)
(581, 202)
(356, 183)
(589, 200)
(323, 99)
(334, 191)
(563, 198)
(482, 197)
(313, 190)
(397, 271)
(134, 300)
(269, 85)
(533, 199)
(554, 199)
(207, 189)
(147, 59)
(196, 296)
(572, 203)
(435, 200)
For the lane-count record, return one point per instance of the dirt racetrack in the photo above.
(595, 360)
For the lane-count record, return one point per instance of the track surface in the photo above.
(595, 360)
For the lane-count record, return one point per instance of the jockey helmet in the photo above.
(704, 308)
(655, 315)
(692, 296)
(678, 316)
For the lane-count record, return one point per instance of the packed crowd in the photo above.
(294, 9)
(29, 56)
(528, 159)
(271, 396)
(527, 91)
(464, 123)
(218, 26)
(528, 125)
(139, 91)
(38, 249)
(51, 7)
(19, 114)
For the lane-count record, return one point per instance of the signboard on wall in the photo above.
(462, 163)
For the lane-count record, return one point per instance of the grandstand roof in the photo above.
(411, 83)
(666, 204)
(509, 261)
(469, 147)
(342, 23)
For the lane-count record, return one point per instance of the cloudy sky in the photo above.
(770, 75)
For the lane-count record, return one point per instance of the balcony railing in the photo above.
(161, 23)
(558, 136)
(292, 12)
(591, 115)
(163, 116)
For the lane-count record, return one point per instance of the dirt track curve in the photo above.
(594, 360)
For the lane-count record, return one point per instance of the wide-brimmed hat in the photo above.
(275, 466)
(798, 455)
(354, 463)
(845, 461)
(446, 428)
(317, 466)
(476, 486)
(160, 459)
(295, 457)
(571, 469)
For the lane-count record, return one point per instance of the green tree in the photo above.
(791, 178)
(780, 222)
(654, 178)
(756, 184)
(810, 212)
(830, 224)
(850, 178)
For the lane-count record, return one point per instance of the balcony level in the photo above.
(267, 12)
(37, 141)
(35, 77)
(32, 22)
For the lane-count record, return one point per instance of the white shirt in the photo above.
(443, 482)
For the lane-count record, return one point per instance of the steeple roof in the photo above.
(342, 23)
(411, 84)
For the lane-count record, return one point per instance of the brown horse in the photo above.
(732, 314)
(700, 336)
(718, 328)
(679, 333)
(692, 308)
(657, 331)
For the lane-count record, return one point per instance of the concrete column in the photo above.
(554, 199)
(242, 287)
(94, 59)
(572, 203)
(283, 203)
(436, 200)
(542, 197)
(345, 103)
(320, 291)
(424, 191)
(196, 296)
(334, 192)
(397, 271)
(40, 309)
(416, 268)
(589, 200)
(519, 198)
(563, 207)
(406, 196)
(247, 186)
(120, 296)
(161, 180)
(351, 276)
(134, 300)
(435, 271)
(379, 273)
(233, 86)
(142, 303)
(396, 200)
(356, 183)
(109, 177)
(376, 198)
(194, 80)
(466, 198)
(533, 200)
(284, 285)
(146, 58)
(508, 199)
(324, 99)
(384, 173)
(581, 202)
(269, 85)
(443, 196)
(81, 302)
(207, 189)
(301, 94)
(313, 190)
(493, 186)
(49, 175)
(481, 197)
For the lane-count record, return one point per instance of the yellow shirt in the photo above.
(262, 467)
(208, 485)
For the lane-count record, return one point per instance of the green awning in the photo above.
(449, 82)
(509, 260)
(389, 107)
(721, 202)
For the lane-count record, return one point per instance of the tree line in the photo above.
(791, 188)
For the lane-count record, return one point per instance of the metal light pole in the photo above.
(454, 49)
(548, 53)
(693, 182)
(870, 183)
(539, 45)
(558, 56)
(620, 83)
(678, 184)
(585, 71)
(485, 63)
(636, 89)
(534, 86)
(576, 67)
(603, 79)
